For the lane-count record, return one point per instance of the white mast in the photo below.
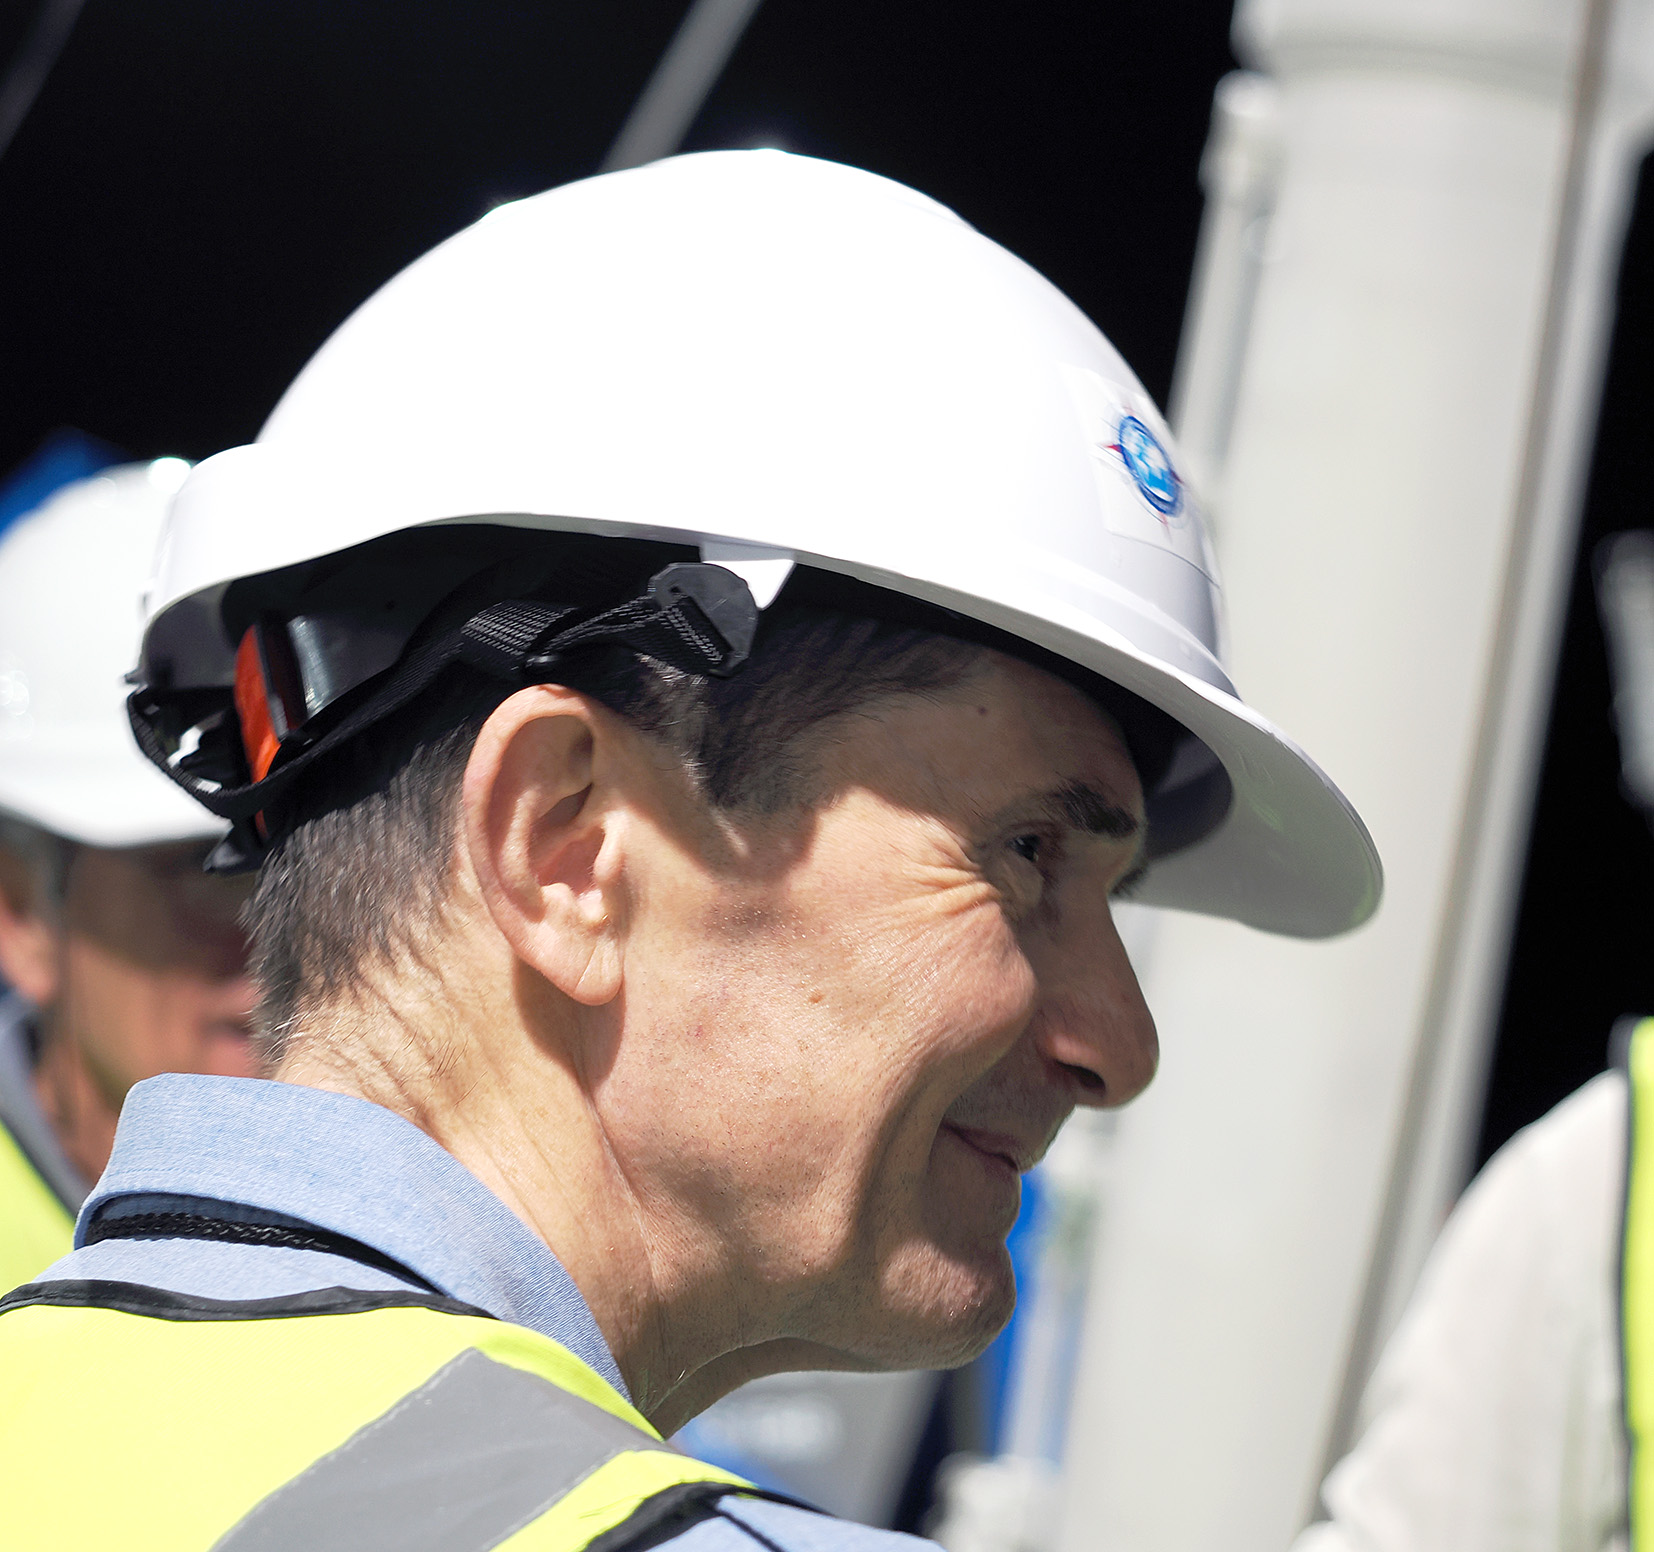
(1396, 426)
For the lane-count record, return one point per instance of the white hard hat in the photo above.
(783, 361)
(71, 577)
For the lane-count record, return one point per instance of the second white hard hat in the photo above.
(72, 573)
(782, 362)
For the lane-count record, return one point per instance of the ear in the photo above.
(541, 833)
(28, 938)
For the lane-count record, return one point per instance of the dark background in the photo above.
(205, 189)
(1582, 955)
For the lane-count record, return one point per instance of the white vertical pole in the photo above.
(1239, 173)
(1396, 509)
(681, 82)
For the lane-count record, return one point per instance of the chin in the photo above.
(944, 1310)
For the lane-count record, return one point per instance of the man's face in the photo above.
(153, 972)
(847, 1035)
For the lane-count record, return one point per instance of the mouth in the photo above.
(998, 1148)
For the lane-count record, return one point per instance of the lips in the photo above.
(998, 1146)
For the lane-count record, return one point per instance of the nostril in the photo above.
(1091, 1082)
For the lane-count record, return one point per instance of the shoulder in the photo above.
(1585, 1133)
(1540, 1222)
(749, 1524)
(1518, 1294)
(1495, 1404)
(1556, 1185)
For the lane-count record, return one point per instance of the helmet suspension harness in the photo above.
(246, 757)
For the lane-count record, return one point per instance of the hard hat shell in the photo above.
(785, 360)
(72, 575)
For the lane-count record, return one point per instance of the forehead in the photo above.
(1008, 731)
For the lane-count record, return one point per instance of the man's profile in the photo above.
(691, 666)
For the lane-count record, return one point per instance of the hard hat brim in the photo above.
(1290, 855)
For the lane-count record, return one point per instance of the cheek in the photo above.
(114, 1013)
(714, 1093)
(792, 1078)
(136, 1022)
(959, 1006)
(962, 1013)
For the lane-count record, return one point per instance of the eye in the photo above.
(1028, 847)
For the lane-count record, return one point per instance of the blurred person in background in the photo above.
(1494, 1420)
(123, 958)
(1512, 1408)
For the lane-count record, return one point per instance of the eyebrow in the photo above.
(1087, 809)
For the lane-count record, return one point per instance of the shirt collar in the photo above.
(354, 1168)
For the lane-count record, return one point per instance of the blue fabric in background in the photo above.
(65, 456)
(994, 1366)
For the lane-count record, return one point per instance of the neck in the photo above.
(501, 1092)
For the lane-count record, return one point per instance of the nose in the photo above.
(1092, 1027)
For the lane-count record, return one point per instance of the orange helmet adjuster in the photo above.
(268, 701)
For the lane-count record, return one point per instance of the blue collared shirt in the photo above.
(257, 1151)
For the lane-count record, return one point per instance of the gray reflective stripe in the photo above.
(472, 1456)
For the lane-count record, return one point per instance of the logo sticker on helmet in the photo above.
(1146, 462)
(1142, 495)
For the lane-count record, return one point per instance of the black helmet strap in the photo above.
(698, 617)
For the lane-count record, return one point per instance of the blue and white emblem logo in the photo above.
(1149, 467)
(1140, 495)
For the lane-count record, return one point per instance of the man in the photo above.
(692, 659)
(123, 959)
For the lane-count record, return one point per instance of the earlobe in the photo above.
(28, 941)
(544, 840)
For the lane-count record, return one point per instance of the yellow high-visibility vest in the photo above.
(334, 1420)
(36, 1229)
(1637, 1282)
